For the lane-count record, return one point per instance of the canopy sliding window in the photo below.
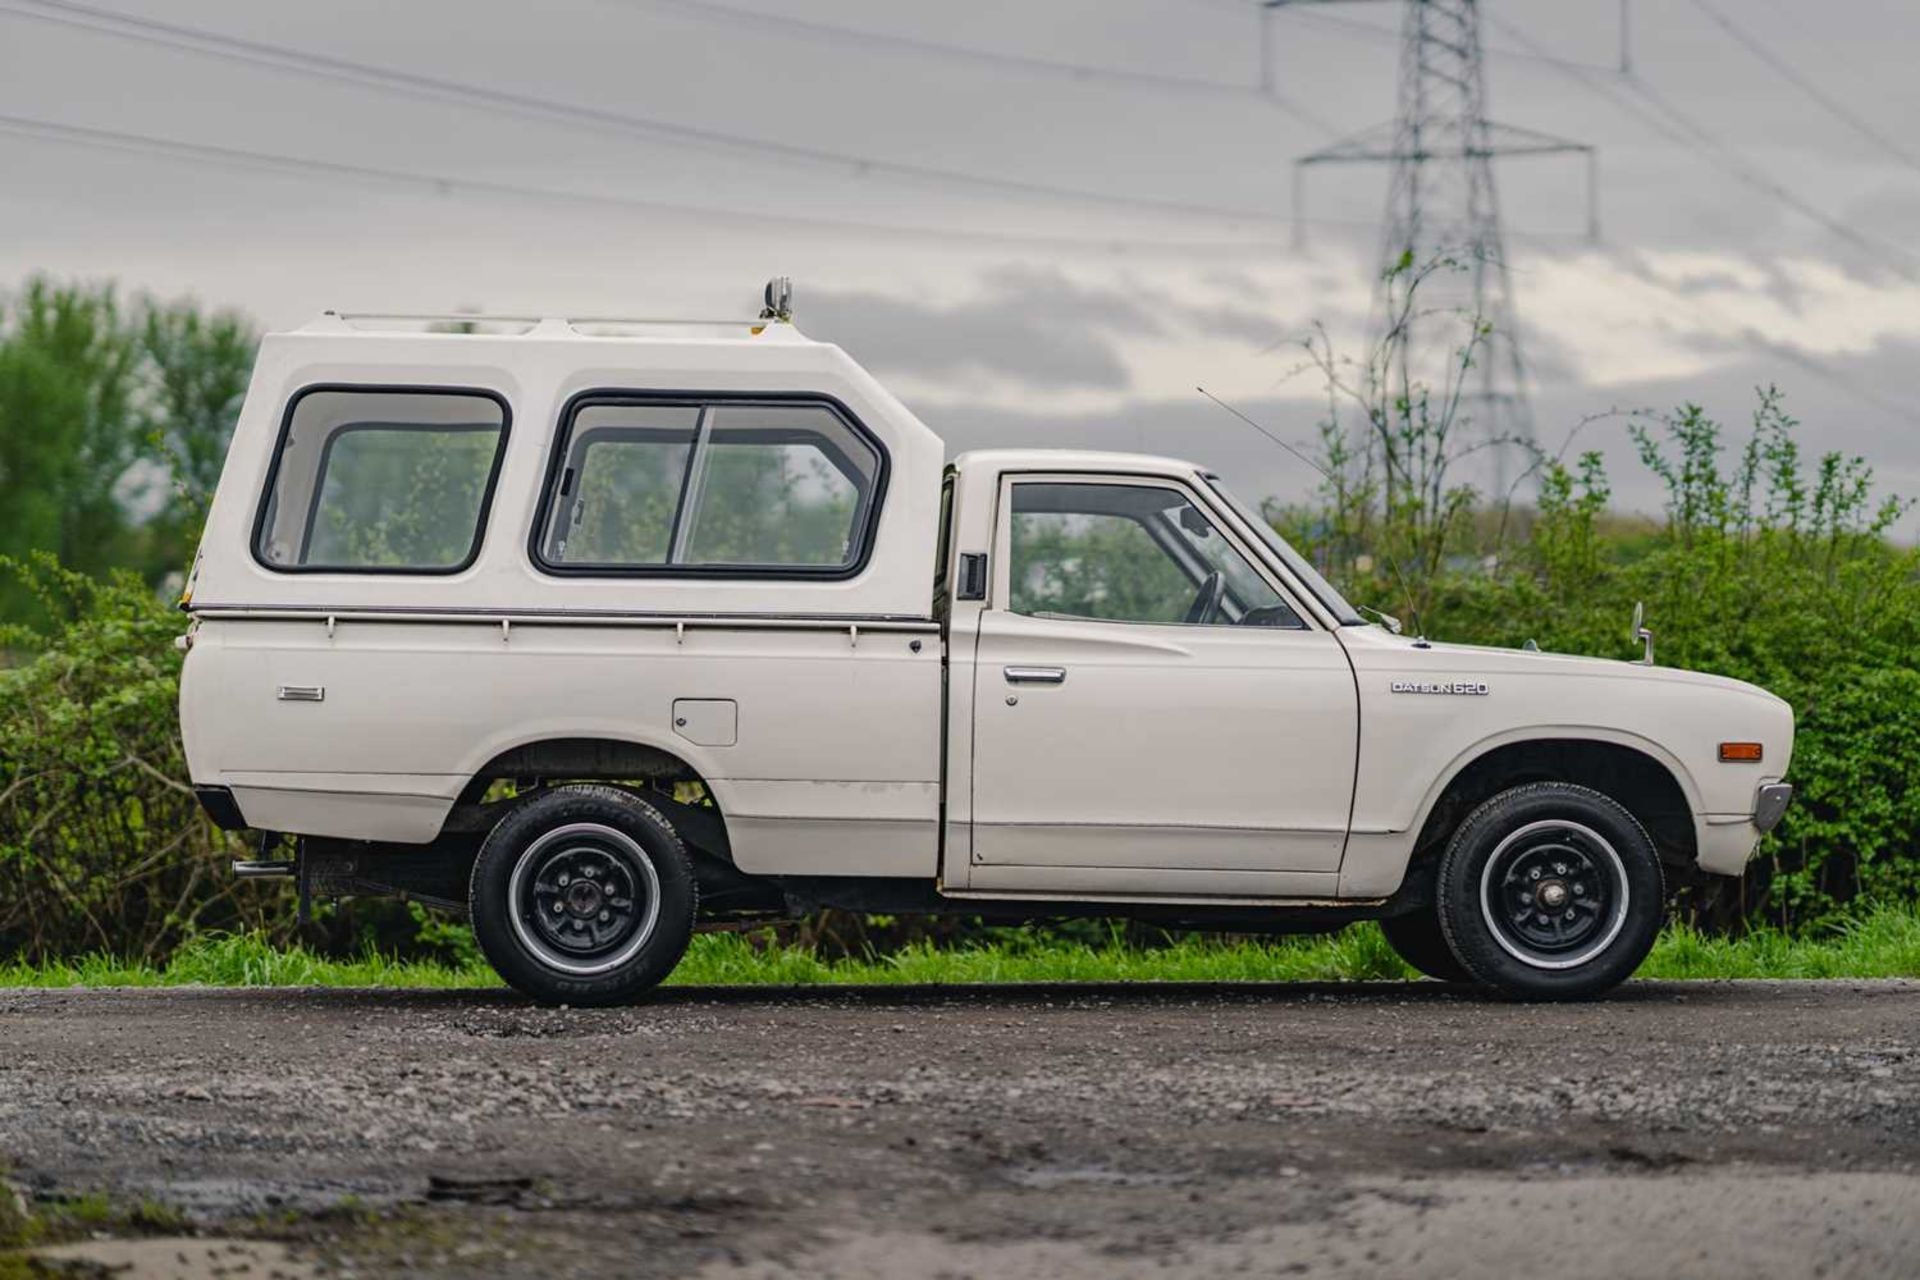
(644, 485)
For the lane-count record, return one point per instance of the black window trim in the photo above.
(867, 525)
(269, 491)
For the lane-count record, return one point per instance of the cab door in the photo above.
(1152, 714)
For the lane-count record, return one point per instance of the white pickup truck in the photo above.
(605, 630)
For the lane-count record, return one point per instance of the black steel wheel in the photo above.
(1554, 893)
(1417, 938)
(583, 895)
(1551, 891)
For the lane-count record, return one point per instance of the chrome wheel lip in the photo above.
(606, 839)
(1612, 865)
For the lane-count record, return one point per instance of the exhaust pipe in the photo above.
(265, 868)
(253, 869)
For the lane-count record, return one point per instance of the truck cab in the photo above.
(603, 631)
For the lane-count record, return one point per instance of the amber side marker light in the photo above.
(1740, 753)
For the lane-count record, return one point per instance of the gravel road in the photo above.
(1729, 1129)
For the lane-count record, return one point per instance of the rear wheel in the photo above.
(1417, 938)
(583, 895)
(1551, 891)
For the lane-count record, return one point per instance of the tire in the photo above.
(583, 895)
(1417, 938)
(1551, 891)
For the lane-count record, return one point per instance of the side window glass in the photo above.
(710, 485)
(620, 485)
(1131, 553)
(777, 485)
(1090, 563)
(377, 480)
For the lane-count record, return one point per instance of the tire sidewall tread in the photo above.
(526, 821)
(1473, 842)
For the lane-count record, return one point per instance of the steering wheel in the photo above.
(1206, 602)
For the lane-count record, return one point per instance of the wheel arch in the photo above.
(559, 758)
(1648, 782)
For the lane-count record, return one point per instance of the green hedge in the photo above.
(102, 845)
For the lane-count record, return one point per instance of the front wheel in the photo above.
(583, 895)
(1551, 891)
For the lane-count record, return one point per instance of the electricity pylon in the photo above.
(1442, 205)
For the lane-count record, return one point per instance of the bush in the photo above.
(102, 845)
(103, 848)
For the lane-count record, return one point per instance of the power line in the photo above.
(148, 145)
(1786, 71)
(321, 66)
(809, 28)
(1660, 114)
(1780, 191)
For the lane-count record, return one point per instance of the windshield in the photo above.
(1336, 603)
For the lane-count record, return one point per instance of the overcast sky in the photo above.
(1026, 253)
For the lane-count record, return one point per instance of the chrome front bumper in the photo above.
(1770, 805)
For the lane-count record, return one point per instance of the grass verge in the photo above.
(1882, 943)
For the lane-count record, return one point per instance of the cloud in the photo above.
(1626, 318)
(1035, 327)
(1042, 329)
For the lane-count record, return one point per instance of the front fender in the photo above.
(1560, 732)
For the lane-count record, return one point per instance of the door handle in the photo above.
(1036, 675)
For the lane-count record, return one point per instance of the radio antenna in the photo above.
(1324, 473)
(1406, 592)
